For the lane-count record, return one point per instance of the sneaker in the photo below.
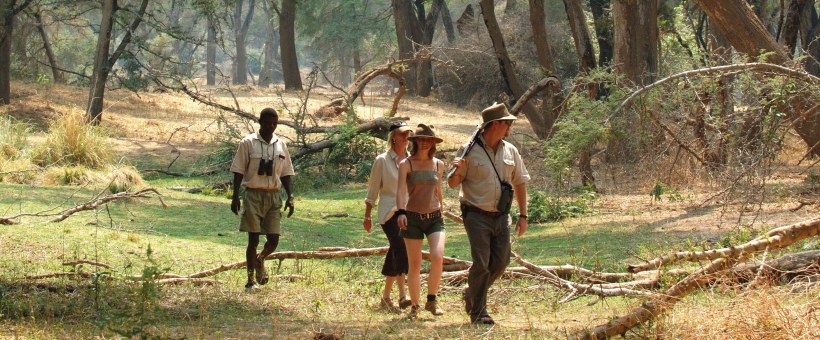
(432, 307)
(414, 312)
(404, 302)
(389, 306)
(261, 273)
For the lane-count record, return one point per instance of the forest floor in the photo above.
(198, 232)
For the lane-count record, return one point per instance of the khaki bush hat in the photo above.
(496, 112)
(424, 130)
(399, 126)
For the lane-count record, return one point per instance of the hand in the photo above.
(458, 162)
(235, 205)
(521, 226)
(367, 224)
(289, 206)
(402, 221)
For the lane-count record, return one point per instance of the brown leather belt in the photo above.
(261, 190)
(465, 208)
(426, 216)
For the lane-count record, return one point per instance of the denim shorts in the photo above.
(417, 227)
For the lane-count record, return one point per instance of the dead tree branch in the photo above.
(541, 85)
(803, 230)
(776, 239)
(91, 205)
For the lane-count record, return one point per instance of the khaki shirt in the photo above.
(251, 149)
(480, 187)
(383, 183)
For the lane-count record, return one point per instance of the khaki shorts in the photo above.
(417, 227)
(262, 212)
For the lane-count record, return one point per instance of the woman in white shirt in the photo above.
(382, 185)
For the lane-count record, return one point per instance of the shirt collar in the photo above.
(273, 138)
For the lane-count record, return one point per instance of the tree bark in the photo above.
(447, 21)
(240, 31)
(465, 23)
(747, 35)
(287, 38)
(791, 26)
(539, 36)
(52, 61)
(580, 34)
(424, 75)
(541, 123)
(636, 40)
(7, 26)
(603, 30)
(406, 34)
(103, 63)
(270, 74)
(101, 66)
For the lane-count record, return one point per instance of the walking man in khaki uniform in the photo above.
(262, 166)
(481, 173)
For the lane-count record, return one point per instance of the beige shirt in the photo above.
(251, 149)
(480, 187)
(383, 184)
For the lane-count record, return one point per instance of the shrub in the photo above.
(544, 207)
(71, 141)
(69, 175)
(23, 171)
(13, 135)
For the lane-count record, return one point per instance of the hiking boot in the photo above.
(389, 306)
(261, 273)
(432, 307)
(404, 302)
(414, 312)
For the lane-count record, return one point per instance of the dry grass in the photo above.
(151, 129)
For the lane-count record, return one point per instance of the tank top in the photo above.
(421, 187)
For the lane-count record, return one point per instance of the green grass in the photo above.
(197, 232)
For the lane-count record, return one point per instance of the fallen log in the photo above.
(808, 228)
(76, 262)
(659, 303)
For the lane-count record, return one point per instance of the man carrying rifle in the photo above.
(490, 172)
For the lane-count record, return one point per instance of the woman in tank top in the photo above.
(419, 202)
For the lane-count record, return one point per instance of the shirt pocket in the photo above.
(279, 159)
(479, 169)
(509, 168)
(253, 161)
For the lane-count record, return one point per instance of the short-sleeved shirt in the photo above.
(480, 186)
(251, 149)
(383, 184)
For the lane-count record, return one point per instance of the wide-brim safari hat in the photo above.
(425, 131)
(399, 126)
(496, 112)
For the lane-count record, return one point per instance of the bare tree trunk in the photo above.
(603, 30)
(466, 21)
(541, 123)
(287, 38)
(636, 40)
(344, 68)
(792, 25)
(240, 30)
(101, 66)
(447, 21)
(539, 36)
(210, 55)
(271, 49)
(52, 61)
(7, 26)
(424, 75)
(747, 35)
(406, 34)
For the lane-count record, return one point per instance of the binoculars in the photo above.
(265, 167)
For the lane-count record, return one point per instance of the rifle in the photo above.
(467, 148)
